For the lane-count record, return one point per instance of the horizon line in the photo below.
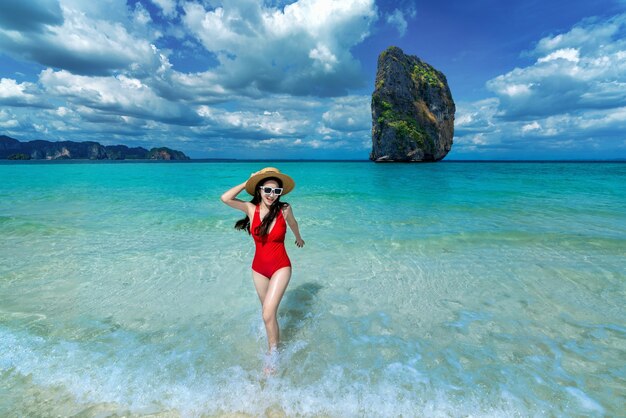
(197, 160)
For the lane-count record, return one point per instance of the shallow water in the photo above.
(448, 289)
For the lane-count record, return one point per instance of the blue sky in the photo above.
(276, 79)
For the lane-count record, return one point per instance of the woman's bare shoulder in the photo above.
(287, 210)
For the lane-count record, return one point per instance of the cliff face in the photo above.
(165, 153)
(412, 110)
(45, 150)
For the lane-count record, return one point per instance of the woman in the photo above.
(271, 267)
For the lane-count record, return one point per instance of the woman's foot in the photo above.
(271, 362)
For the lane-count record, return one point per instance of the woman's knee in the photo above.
(269, 315)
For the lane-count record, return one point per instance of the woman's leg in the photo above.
(261, 283)
(275, 292)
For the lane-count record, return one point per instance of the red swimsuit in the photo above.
(270, 254)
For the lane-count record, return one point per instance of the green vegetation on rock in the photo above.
(407, 129)
(387, 114)
(426, 74)
(405, 126)
(19, 156)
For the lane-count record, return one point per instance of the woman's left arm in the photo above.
(293, 224)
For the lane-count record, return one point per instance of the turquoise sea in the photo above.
(423, 290)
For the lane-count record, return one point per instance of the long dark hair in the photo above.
(244, 224)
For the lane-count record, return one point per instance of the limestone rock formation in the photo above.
(412, 110)
(164, 153)
(11, 148)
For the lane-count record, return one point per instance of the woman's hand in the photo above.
(300, 242)
(254, 174)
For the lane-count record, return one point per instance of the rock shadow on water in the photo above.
(297, 308)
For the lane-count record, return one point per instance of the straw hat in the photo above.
(288, 183)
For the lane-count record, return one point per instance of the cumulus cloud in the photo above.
(476, 117)
(291, 123)
(8, 120)
(119, 95)
(29, 16)
(13, 93)
(348, 114)
(571, 99)
(302, 49)
(83, 44)
(253, 124)
(475, 127)
(569, 54)
(582, 69)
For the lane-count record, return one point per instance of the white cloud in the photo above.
(301, 49)
(582, 69)
(291, 123)
(109, 10)
(85, 43)
(121, 95)
(531, 127)
(614, 119)
(569, 54)
(322, 56)
(513, 89)
(348, 114)
(13, 93)
(282, 143)
(397, 20)
(63, 111)
(472, 140)
(168, 7)
(10, 88)
(590, 34)
(475, 117)
(141, 15)
(273, 143)
(8, 120)
(571, 101)
(253, 124)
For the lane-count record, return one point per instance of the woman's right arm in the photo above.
(230, 198)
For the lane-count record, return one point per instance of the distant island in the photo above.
(12, 149)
